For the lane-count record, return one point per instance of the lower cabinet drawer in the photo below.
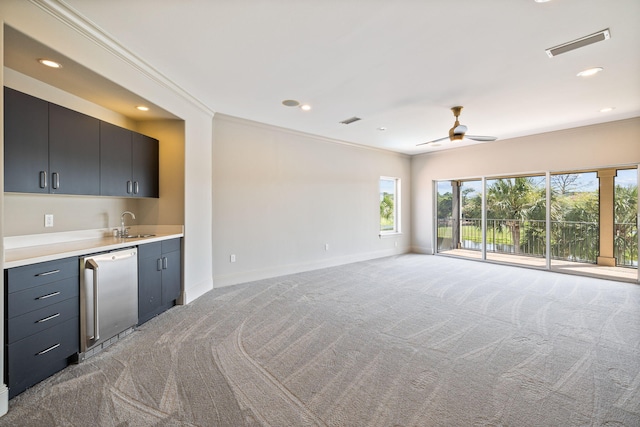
(41, 296)
(28, 276)
(39, 356)
(36, 321)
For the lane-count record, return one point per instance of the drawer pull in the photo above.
(48, 273)
(53, 294)
(48, 318)
(53, 347)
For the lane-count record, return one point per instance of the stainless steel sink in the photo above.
(139, 236)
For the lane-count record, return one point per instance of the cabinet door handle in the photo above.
(56, 180)
(159, 264)
(53, 347)
(48, 318)
(53, 294)
(46, 273)
(165, 263)
(129, 187)
(136, 187)
(43, 179)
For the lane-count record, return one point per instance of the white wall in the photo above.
(589, 147)
(281, 195)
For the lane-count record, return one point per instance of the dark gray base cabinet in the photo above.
(159, 277)
(41, 321)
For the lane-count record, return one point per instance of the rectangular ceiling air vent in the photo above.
(577, 44)
(351, 120)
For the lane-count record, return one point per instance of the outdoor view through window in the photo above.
(517, 218)
(389, 202)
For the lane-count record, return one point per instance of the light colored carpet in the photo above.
(412, 340)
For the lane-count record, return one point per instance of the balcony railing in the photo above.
(570, 240)
(625, 244)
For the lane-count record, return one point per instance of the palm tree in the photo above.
(626, 214)
(513, 201)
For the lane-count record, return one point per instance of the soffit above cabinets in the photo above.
(22, 53)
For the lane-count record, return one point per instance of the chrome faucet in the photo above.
(124, 231)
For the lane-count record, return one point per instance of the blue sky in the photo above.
(587, 181)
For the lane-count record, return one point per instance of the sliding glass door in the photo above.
(577, 221)
(516, 220)
(575, 216)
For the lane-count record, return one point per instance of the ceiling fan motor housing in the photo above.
(461, 130)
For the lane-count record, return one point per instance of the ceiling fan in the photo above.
(458, 131)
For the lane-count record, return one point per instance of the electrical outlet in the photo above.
(48, 220)
(232, 258)
(326, 246)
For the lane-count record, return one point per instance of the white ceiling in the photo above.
(398, 64)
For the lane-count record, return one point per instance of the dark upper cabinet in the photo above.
(26, 143)
(51, 149)
(74, 152)
(115, 161)
(128, 163)
(145, 158)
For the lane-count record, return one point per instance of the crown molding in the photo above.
(66, 14)
(318, 138)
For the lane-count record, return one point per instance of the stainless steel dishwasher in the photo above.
(108, 298)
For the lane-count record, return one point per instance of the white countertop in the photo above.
(31, 249)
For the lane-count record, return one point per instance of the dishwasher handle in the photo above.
(92, 265)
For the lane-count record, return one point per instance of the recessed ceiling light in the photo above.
(541, 1)
(305, 107)
(290, 103)
(142, 108)
(590, 72)
(50, 63)
(382, 128)
(607, 109)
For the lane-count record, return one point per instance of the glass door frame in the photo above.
(548, 192)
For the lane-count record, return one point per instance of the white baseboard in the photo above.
(196, 291)
(4, 399)
(422, 250)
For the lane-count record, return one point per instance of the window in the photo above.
(389, 205)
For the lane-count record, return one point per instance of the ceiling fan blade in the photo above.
(481, 138)
(460, 129)
(435, 140)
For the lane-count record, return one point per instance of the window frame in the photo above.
(397, 203)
